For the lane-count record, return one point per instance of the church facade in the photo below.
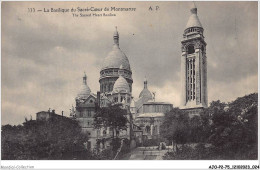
(115, 88)
(146, 113)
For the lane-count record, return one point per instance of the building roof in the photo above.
(149, 115)
(44, 112)
(194, 19)
(154, 102)
(139, 102)
(84, 91)
(145, 93)
(116, 57)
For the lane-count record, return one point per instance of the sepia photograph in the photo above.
(130, 80)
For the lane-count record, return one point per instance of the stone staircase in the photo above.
(147, 153)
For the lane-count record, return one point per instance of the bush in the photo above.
(201, 152)
(186, 152)
(151, 142)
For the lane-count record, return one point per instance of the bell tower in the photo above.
(194, 65)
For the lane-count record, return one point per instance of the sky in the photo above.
(44, 54)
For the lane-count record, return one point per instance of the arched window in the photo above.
(148, 129)
(155, 130)
(89, 113)
(202, 48)
(191, 49)
(106, 87)
(104, 132)
(110, 87)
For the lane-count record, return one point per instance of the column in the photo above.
(191, 81)
(151, 130)
(158, 127)
(183, 78)
(188, 80)
(126, 102)
(197, 74)
(194, 80)
(202, 77)
(206, 80)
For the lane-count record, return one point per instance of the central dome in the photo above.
(115, 59)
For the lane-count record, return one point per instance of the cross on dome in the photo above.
(194, 5)
(85, 78)
(116, 37)
(145, 83)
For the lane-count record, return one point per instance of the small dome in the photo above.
(121, 85)
(84, 89)
(145, 93)
(194, 19)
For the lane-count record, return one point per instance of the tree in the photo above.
(196, 131)
(36, 140)
(234, 128)
(230, 128)
(113, 117)
(175, 126)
